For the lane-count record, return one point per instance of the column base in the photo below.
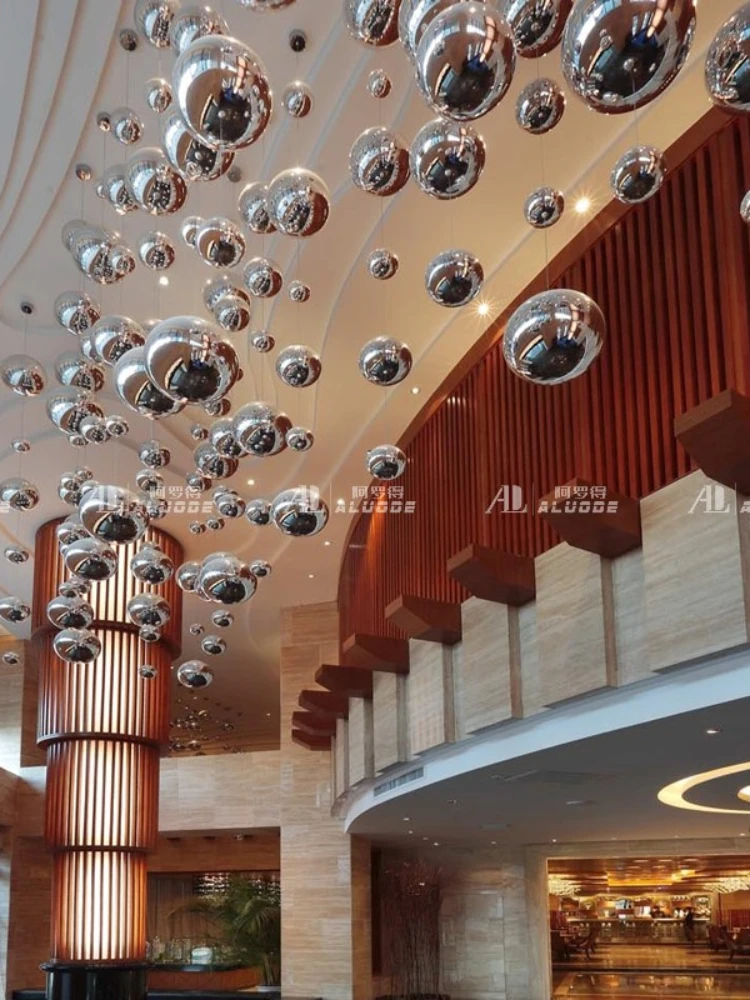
(66, 981)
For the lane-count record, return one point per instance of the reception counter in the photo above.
(167, 977)
(640, 930)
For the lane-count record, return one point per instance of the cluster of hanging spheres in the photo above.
(616, 56)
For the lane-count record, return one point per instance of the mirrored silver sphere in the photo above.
(385, 361)
(454, 278)
(262, 278)
(187, 576)
(261, 342)
(372, 22)
(194, 21)
(154, 183)
(386, 462)
(13, 611)
(115, 189)
(260, 429)
(99, 253)
(379, 84)
(212, 645)
(298, 366)
(74, 587)
(465, 61)
(210, 463)
(153, 19)
(149, 633)
(415, 17)
(222, 619)
(258, 512)
(70, 530)
(148, 672)
(158, 94)
(76, 312)
(113, 336)
(300, 439)
(230, 305)
(94, 430)
(191, 158)
(540, 106)
(23, 375)
(154, 455)
(117, 426)
(228, 503)
(197, 482)
(447, 158)
(221, 437)
(619, 55)
(189, 230)
(151, 565)
(189, 362)
(299, 202)
(194, 675)
(113, 514)
(17, 555)
(745, 209)
(75, 645)
(638, 174)
(297, 100)
(554, 336)
(382, 264)
(727, 63)
(134, 387)
(70, 612)
(19, 493)
(11, 658)
(536, 25)
(222, 91)
(77, 372)
(198, 432)
(149, 609)
(253, 207)
(299, 512)
(196, 629)
(225, 579)
(66, 410)
(379, 162)
(149, 481)
(220, 242)
(157, 251)
(21, 445)
(299, 292)
(126, 126)
(90, 559)
(544, 207)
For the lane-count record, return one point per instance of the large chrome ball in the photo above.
(212, 645)
(228, 503)
(253, 206)
(113, 336)
(90, 559)
(67, 409)
(385, 361)
(554, 336)
(298, 202)
(99, 253)
(189, 362)
(536, 25)
(379, 162)
(192, 22)
(76, 312)
(191, 158)
(262, 278)
(231, 306)
(187, 576)
(158, 94)
(151, 565)
(386, 462)
(154, 183)
(618, 55)
(157, 251)
(194, 675)
(297, 99)
(154, 455)
(258, 512)
(75, 371)
(260, 429)
(261, 341)
(540, 106)
(222, 91)
(127, 126)
(17, 555)
(149, 609)
(299, 291)
(727, 63)
(93, 430)
(298, 366)
(382, 264)
(113, 514)
(372, 22)
(117, 426)
(454, 278)
(447, 158)
(70, 612)
(19, 493)
(299, 512)
(13, 610)
(134, 387)
(23, 375)
(415, 17)
(638, 174)
(70, 530)
(465, 61)
(544, 207)
(75, 645)
(153, 19)
(222, 438)
(210, 463)
(189, 230)
(220, 242)
(300, 439)
(115, 189)
(225, 579)
(261, 568)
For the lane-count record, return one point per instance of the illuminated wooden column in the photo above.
(103, 726)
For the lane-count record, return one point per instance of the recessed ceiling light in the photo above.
(411, 833)
(415, 390)
(326, 542)
(164, 280)
(483, 309)
(311, 575)
(268, 715)
(435, 843)
(452, 802)
(407, 819)
(251, 482)
(341, 501)
(554, 840)
(583, 205)
(425, 838)
(493, 843)
(712, 732)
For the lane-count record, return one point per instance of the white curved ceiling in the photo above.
(62, 63)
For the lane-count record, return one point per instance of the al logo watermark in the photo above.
(567, 499)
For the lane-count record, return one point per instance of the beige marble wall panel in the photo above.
(387, 738)
(226, 791)
(430, 687)
(629, 596)
(696, 601)
(360, 737)
(573, 605)
(485, 664)
(340, 755)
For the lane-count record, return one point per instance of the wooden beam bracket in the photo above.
(376, 652)
(426, 619)
(324, 703)
(716, 435)
(351, 682)
(594, 518)
(311, 742)
(494, 575)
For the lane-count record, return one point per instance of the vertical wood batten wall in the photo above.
(671, 278)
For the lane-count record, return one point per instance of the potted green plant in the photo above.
(247, 914)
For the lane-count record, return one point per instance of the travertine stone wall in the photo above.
(325, 874)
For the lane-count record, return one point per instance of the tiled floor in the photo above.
(656, 986)
(664, 957)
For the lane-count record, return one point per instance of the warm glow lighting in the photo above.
(583, 205)
(744, 793)
(326, 543)
(251, 482)
(415, 390)
(674, 794)
(340, 501)
(311, 576)
(712, 732)
(483, 309)
(164, 280)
